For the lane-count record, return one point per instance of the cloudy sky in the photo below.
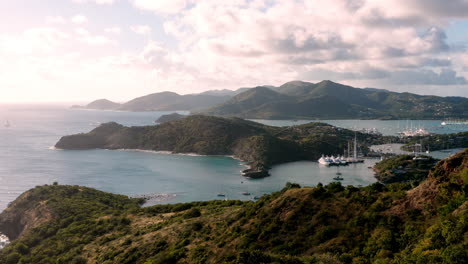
(79, 50)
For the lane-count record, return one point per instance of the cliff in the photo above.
(392, 223)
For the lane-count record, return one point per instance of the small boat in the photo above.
(221, 195)
(256, 197)
(245, 193)
(338, 178)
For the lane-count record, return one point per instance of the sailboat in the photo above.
(7, 124)
(354, 159)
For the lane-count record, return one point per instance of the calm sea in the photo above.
(27, 160)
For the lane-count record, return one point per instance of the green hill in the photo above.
(169, 101)
(326, 99)
(169, 117)
(259, 145)
(102, 104)
(392, 223)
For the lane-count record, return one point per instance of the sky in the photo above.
(81, 50)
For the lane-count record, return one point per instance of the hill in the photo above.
(329, 100)
(392, 223)
(164, 101)
(101, 104)
(169, 117)
(403, 168)
(259, 145)
(168, 101)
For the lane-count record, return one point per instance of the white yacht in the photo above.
(325, 160)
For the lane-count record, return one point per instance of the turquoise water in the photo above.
(386, 127)
(27, 160)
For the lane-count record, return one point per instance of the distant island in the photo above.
(300, 100)
(259, 145)
(394, 223)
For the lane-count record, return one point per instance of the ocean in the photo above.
(28, 159)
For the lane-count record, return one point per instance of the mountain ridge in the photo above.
(300, 100)
(330, 100)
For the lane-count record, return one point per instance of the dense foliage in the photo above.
(438, 141)
(392, 223)
(329, 100)
(404, 168)
(169, 117)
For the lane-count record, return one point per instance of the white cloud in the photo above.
(79, 19)
(141, 29)
(55, 20)
(356, 40)
(399, 45)
(114, 30)
(85, 36)
(162, 6)
(99, 2)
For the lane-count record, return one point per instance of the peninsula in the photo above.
(259, 145)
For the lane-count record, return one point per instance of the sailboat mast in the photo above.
(349, 149)
(355, 146)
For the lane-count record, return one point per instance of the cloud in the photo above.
(141, 29)
(358, 40)
(398, 45)
(79, 19)
(114, 30)
(162, 6)
(427, 77)
(84, 36)
(99, 2)
(55, 20)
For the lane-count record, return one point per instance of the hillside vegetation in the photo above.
(391, 223)
(259, 145)
(438, 141)
(404, 168)
(164, 101)
(329, 100)
(299, 100)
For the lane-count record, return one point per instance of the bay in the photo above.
(27, 159)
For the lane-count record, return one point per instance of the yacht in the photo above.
(454, 122)
(325, 160)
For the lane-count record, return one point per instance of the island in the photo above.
(393, 223)
(259, 145)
